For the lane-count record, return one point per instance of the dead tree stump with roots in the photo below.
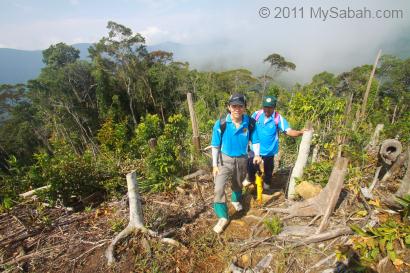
(136, 219)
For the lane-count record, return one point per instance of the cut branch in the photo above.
(33, 192)
(325, 236)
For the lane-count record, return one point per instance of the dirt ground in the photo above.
(37, 238)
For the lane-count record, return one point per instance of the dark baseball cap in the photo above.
(269, 101)
(237, 99)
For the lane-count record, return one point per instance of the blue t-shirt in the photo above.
(268, 137)
(234, 140)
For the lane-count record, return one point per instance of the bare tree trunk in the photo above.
(301, 161)
(131, 101)
(394, 114)
(162, 114)
(87, 135)
(356, 121)
(342, 139)
(315, 153)
(375, 137)
(369, 83)
(195, 130)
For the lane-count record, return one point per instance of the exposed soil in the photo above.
(36, 238)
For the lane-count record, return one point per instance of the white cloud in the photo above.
(23, 7)
(74, 2)
(154, 34)
(41, 34)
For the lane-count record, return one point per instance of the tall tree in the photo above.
(277, 64)
(123, 54)
(60, 54)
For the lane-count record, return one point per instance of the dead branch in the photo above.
(301, 231)
(26, 257)
(325, 236)
(369, 83)
(195, 174)
(19, 237)
(33, 192)
(367, 192)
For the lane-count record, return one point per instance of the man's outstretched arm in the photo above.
(295, 133)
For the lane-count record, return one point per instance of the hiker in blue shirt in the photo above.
(268, 124)
(230, 138)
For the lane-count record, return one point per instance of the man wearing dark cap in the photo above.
(268, 124)
(230, 138)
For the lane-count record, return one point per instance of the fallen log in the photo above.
(136, 221)
(319, 204)
(195, 174)
(325, 236)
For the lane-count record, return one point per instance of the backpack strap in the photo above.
(277, 117)
(251, 126)
(258, 114)
(222, 126)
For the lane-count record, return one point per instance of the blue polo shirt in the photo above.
(234, 140)
(268, 137)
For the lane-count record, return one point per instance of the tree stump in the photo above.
(328, 197)
(136, 219)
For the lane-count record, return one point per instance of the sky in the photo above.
(222, 34)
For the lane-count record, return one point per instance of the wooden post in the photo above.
(301, 161)
(195, 130)
(369, 83)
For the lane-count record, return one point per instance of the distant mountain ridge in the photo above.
(19, 66)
